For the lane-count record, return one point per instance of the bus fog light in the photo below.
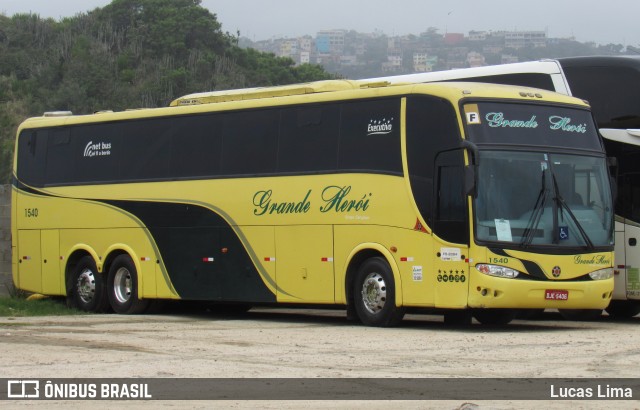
(495, 270)
(602, 274)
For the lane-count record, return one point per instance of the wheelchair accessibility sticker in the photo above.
(563, 233)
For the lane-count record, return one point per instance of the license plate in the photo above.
(556, 294)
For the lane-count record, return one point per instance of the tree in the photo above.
(131, 53)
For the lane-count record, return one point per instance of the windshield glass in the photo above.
(536, 199)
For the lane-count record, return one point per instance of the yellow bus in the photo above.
(471, 198)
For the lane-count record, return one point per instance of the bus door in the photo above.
(52, 282)
(451, 227)
(29, 263)
(632, 259)
(628, 250)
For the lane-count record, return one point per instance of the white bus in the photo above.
(612, 86)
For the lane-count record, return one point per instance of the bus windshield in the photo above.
(541, 198)
(542, 180)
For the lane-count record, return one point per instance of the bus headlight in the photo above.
(602, 274)
(495, 270)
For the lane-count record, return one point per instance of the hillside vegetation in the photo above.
(129, 54)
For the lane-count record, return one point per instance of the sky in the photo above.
(600, 21)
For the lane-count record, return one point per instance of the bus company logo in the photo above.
(592, 260)
(380, 127)
(99, 149)
(556, 271)
(23, 389)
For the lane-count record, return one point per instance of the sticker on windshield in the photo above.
(563, 233)
(472, 112)
(473, 118)
(503, 230)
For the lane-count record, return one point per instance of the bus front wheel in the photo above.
(88, 291)
(623, 308)
(123, 287)
(374, 294)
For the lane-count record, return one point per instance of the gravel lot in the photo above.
(315, 343)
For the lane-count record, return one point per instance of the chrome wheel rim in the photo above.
(122, 285)
(86, 285)
(374, 293)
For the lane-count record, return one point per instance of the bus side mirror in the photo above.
(470, 181)
(470, 178)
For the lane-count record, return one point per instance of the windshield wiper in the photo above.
(536, 214)
(565, 206)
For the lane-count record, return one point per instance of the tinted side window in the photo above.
(59, 149)
(370, 136)
(196, 146)
(32, 151)
(92, 154)
(309, 138)
(250, 142)
(450, 222)
(432, 127)
(148, 149)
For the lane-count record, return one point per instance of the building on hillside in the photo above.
(330, 41)
(477, 35)
(423, 62)
(456, 57)
(305, 57)
(394, 61)
(475, 59)
(451, 39)
(508, 59)
(521, 39)
(288, 48)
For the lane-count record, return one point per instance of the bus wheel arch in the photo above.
(85, 285)
(122, 285)
(371, 287)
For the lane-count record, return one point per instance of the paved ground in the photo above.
(312, 344)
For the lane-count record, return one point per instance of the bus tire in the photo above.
(88, 289)
(374, 294)
(122, 286)
(580, 315)
(623, 309)
(494, 317)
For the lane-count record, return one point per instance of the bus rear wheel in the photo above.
(374, 294)
(88, 291)
(122, 286)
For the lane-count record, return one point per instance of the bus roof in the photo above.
(541, 66)
(604, 61)
(322, 91)
(266, 92)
